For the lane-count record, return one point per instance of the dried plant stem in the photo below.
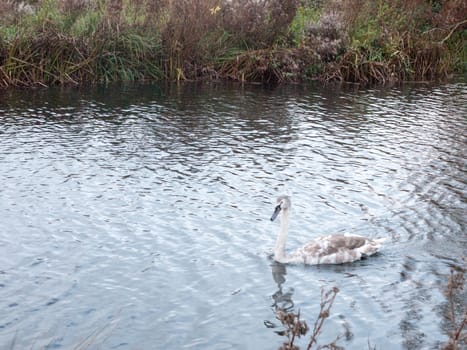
(460, 328)
(457, 25)
(457, 336)
(327, 299)
(296, 327)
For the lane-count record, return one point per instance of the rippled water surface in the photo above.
(137, 217)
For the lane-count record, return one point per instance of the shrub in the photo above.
(328, 36)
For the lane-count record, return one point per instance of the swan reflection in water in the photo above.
(282, 301)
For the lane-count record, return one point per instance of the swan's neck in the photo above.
(279, 249)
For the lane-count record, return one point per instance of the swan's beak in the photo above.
(276, 212)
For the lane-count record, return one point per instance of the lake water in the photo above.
(137, 217)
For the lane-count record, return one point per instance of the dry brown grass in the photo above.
(269, 66)
(398, 41)
(198, 36)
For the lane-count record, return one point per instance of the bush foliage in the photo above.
(45, 42)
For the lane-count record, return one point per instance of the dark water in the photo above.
(137, 217)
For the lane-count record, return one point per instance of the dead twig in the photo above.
(327, 299)
(457, 25)
(458, 334)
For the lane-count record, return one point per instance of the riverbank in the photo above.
(52, 42)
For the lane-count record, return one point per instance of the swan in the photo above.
(331, 249)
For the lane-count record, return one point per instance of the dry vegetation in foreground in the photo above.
(454, 312)
(295, 327)
(44, 42)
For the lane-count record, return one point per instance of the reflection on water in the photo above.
(138, 216)
(282, 301)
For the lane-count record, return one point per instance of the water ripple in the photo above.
(135, 215)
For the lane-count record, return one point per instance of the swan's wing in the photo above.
(334, 243)
(336, 249)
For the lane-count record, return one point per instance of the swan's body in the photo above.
(332, 249)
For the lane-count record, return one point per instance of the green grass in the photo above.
(304, 17)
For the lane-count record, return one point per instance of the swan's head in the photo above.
(283, 203)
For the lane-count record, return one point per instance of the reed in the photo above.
(46, 42)
(63, 43)
(271, 66)
(399, 41)
(51, 57)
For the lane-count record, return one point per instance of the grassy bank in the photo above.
(46, 42)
